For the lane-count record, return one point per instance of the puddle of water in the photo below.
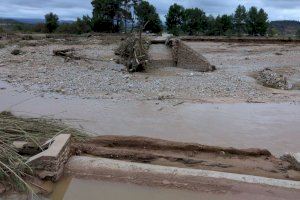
(97, 190)
(60, 188)
(272, 126)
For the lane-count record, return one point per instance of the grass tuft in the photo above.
(13, 169)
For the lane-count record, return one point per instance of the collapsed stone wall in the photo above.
(187, 58)
(50, 163)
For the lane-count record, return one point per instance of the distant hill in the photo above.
(27, 21)
(286, 27)
(36, 21)
(8, 24)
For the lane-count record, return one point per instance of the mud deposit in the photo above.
(188, 155)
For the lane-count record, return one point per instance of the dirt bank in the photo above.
(188, 155)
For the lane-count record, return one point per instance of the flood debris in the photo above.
(16, 52)
(269, 78)
(294, 159)
(133, 52)
(49, 164)
(67, 54)
(17, 135)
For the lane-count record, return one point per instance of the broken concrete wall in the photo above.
(187, 58)
(50, 163)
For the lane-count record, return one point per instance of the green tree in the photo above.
(106, 15)
(195, 21)
(257, 21)
(262, 22)
(83, 25)
(51, 22)
(252, 21)
(175, 19)
(211, 25)
(147, 15)
(224, 25)
(240, 17)
(272, 32)
(298, 34)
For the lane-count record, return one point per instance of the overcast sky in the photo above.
(70, 9)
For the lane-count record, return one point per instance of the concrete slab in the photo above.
(92, 166)
(58, 144)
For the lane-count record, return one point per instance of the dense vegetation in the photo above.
(117, 16)
(193, 21)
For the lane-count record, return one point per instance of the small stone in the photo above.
(16, 52)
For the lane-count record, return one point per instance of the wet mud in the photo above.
(257, 162)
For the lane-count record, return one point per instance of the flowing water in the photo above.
(271, 126)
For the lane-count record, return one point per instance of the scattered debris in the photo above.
(68, 54)
(269, 78)
(163, 96)
(16, 52)
(30, 132)
(134, 53)
(49, 164)
(294, 159)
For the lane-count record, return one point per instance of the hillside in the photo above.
(286, 27)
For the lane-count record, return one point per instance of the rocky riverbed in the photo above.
(98, 76)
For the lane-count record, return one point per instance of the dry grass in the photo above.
(34, 130)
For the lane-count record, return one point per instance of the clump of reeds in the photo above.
(34, 130)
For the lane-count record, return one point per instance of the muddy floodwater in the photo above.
(272, 126)
(78, 189)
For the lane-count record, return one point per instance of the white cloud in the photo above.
(71, 9)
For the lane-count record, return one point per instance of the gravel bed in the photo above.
(98, 76)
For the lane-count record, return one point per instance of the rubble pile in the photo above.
(134, 53)
(269, 78)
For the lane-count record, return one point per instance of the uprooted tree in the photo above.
(134, 51)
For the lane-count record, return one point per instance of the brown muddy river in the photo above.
(78, 189)
(272, 126)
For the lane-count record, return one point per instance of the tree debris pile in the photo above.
(269, 78)
(13, 167)
(67, 54)
(134, 53)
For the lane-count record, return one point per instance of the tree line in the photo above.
(193, 21)
(124, 15)
(108, 16)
